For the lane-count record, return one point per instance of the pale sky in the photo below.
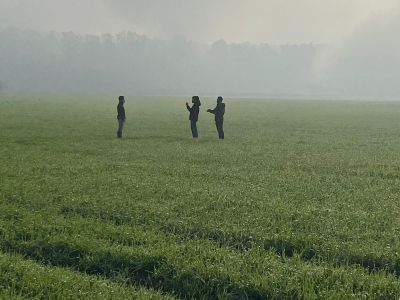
(256, 21)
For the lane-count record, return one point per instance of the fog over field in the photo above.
(291, 48)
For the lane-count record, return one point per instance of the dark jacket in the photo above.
(121, 112)
(219, 112)
(194, 111)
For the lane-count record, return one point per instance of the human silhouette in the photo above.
(194, 115)
(121, 116)
(219, 112)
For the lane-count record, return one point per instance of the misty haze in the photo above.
(171, 51)
(200, 149)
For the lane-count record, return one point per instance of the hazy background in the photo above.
(277, 48)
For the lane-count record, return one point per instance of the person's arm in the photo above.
(213, 111)
(188, 107)
(123, 111)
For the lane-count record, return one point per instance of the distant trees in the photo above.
(134, 64)
(128, 63)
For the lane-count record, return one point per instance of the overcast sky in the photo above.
(268, 21)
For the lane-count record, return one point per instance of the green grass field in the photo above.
(301, 201)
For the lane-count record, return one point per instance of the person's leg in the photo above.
(120, 128)
(193, 126)
(220, 130)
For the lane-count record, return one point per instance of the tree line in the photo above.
(135, 64)
(129, 63)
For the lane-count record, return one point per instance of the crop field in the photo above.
(300, 201)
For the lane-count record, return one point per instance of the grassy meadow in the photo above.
(300, 201)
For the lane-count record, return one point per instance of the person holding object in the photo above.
(121, 116)
(194, 115)
(219, 112)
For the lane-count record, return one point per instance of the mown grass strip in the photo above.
(370, 262)
(308, 250)
(193, 268)
(135, 267)
(25, 279)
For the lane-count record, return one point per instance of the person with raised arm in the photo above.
(219, 112)
(194, 115)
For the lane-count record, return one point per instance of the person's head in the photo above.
(195, 99)
(121, 99)
(219, 99)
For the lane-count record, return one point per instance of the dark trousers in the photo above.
(120, 127)
(193, 126)
(220, 129)
(120, 124)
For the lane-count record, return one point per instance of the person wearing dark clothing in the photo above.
(219, 112)
(194, 115)
(121, 116)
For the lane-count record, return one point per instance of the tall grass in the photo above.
(299, 202)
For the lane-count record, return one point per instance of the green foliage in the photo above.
(299, 201)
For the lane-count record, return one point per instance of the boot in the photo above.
(119, 134)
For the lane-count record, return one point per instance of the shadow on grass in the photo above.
(243, 242)
(369, 262)
(288, 249)
(117, 219)
(153, 137)
(173, 139)
(237, 241)
(145, 271)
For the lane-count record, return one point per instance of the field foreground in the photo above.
(301, 201)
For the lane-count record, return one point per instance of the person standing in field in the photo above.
(219, 112)
(194, 115)
(121, 116)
